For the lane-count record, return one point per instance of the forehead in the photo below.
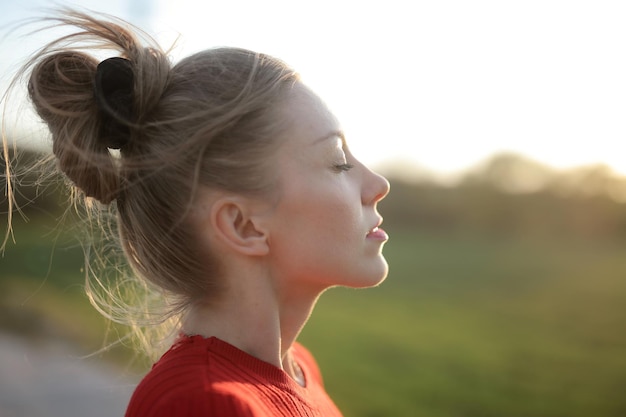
(309, 118)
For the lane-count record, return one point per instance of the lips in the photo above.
(377, 233)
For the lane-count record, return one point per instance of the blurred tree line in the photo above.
(508, 195)
(514, 196)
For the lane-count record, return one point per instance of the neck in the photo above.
(252, 316)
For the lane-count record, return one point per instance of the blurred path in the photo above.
(49, 380)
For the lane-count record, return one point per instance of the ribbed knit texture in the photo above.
(208, 377)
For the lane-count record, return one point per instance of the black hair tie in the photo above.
(114, 95)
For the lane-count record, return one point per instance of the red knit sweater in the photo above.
(209, 378)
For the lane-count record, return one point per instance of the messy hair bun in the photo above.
(63, 91)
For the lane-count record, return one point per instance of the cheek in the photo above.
(333, 222)
(326, 215)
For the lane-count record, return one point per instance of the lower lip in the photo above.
(379, 234)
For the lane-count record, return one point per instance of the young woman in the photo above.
(235, 196)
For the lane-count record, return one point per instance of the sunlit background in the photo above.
(501, 126)
(443, 84)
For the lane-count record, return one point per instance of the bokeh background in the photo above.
(500, 126)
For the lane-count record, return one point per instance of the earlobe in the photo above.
(237, 228)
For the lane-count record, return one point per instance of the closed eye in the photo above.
(343, 167)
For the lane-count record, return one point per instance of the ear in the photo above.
(235, 225)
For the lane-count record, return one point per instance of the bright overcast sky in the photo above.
(441, 83)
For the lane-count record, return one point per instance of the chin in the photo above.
(372, 278)
(378, 281)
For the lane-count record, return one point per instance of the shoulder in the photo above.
(208, 377)
(186, 381)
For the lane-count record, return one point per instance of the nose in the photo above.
(375, 187)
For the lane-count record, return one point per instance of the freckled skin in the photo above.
(327, 204)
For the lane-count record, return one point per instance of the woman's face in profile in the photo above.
(324, 226)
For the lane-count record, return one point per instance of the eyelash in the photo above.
(343, 167)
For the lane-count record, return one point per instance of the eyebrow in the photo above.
(334, 134)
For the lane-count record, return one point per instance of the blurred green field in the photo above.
(465, 325)
(480, 326)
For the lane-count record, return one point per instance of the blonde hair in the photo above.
(210, 120)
